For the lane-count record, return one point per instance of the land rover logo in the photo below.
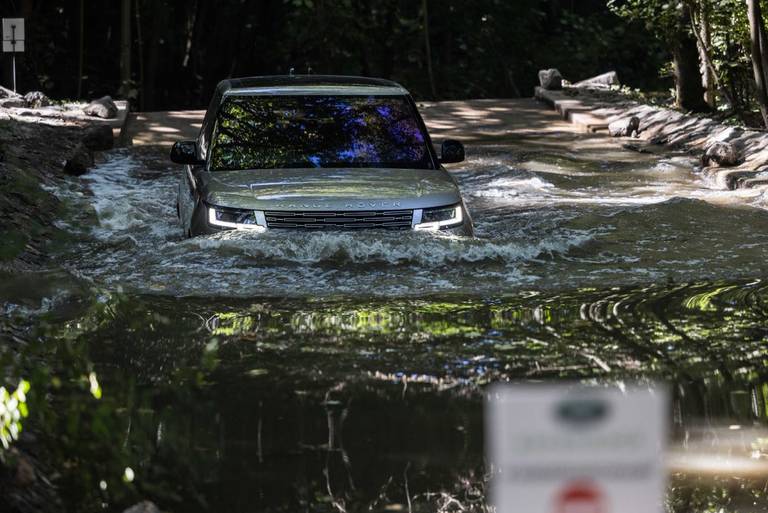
(582, 412)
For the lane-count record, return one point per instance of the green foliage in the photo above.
(13, 408)
(611, 43)
(727, 43)
(479, 48)
(660, 17)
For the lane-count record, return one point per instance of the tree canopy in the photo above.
(180, 49)
(165, 54)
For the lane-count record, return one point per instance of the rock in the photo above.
(636, 147)
(36, 99)
(13, 103)
(103, 108)
(550, 79)
(605, 80)
(143, 507)
(729, 133)
(722, 154)
(625, 127)
(98, 138)
(79, 161)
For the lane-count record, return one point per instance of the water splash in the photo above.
(587, 220)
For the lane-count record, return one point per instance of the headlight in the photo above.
(441, 217)
(233, 218)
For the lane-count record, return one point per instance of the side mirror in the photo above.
(185, 152)
(451, 152)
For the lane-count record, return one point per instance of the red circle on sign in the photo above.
(580, 497)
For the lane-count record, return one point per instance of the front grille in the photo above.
(382, 219)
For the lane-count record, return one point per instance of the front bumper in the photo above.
(203, 223)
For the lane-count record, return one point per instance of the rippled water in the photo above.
(543, 219)
(344, 372)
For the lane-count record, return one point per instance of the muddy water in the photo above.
(344, 372)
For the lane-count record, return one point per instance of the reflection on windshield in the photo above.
(318, 131)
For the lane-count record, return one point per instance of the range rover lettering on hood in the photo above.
(356, 204)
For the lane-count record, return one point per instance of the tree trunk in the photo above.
(81, 51)
(428, 49)
(140, 41)
(190, 33)
(755, 22)
(511, 81)
(688, 82)
(705, 41)
(763, 47)
(704, 45)
(731, 55)
(125, 47)
(156, 27)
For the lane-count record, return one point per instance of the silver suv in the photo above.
(316, 153)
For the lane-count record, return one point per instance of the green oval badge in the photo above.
(582, 412)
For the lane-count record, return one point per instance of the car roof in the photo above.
(308, 84)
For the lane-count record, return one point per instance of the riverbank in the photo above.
(595, 109)
(37, 147)
(40, 147)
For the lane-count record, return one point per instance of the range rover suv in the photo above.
(316, 153)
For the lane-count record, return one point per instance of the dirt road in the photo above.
(469, 121)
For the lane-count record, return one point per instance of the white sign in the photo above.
(9, 46)
(13, 34)
(571, 449)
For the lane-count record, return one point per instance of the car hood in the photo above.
(330, 189)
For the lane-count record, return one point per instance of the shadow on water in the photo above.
(348, 405)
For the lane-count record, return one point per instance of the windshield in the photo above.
(263, 132)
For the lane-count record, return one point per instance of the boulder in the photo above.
(550, 79)
(143, 507)
(98, 138)
(79, 161)
(721, 154)
(728, 134)
(605, 80)
(627, 127)
(36, 99)
(103, 108)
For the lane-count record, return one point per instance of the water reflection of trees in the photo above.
(683, 332)
(318, 131)
(342, 405)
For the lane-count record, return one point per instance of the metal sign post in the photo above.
(13, 40)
